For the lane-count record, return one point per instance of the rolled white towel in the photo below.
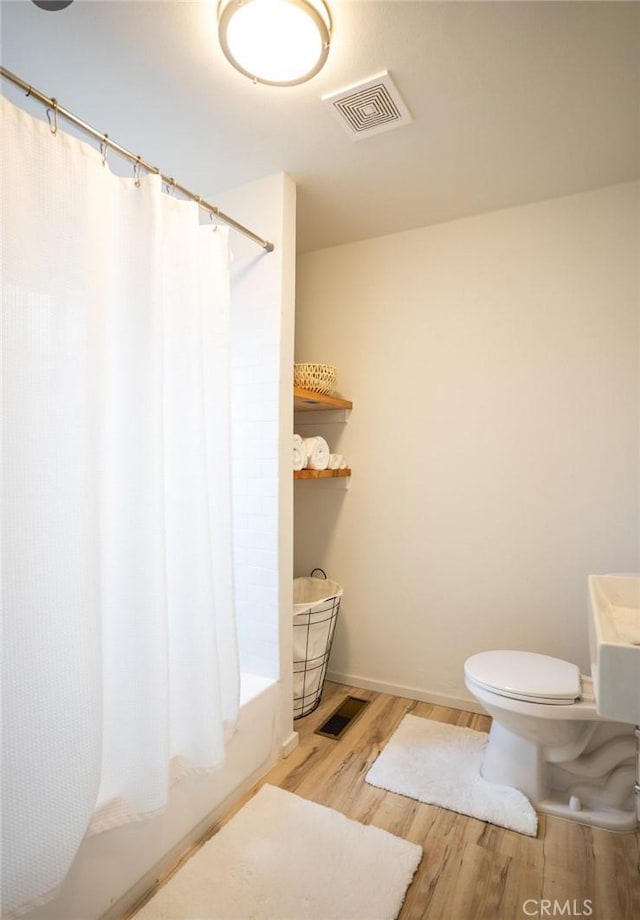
(334, 461)
(299, 453)
(317, 451)
(343, 463)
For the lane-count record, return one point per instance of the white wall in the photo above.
(493, 365)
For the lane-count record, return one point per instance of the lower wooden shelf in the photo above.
(320, 474)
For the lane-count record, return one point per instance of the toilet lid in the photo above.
(525, 675)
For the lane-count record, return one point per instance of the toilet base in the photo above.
(594, 788)
(609, 819)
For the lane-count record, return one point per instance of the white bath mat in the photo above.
(282, 857)
(439, 764)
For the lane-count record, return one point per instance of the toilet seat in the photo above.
(525, 676)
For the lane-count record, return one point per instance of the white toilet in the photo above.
(548, 740)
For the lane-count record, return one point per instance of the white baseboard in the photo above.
(289, 744)
(467, 704)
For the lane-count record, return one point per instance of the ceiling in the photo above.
(512, 102)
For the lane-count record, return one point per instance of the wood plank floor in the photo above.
(470, 870)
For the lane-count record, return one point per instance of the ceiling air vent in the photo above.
(369, 108)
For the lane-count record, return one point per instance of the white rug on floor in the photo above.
(440, 764)
(282, 857)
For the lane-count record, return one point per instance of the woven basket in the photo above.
(318, 378)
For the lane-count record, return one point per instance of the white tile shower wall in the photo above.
(263, 298)
(255, 388)
(262, 354)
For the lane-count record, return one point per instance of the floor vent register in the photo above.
(342, 717)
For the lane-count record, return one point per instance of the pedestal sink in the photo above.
(614, 643)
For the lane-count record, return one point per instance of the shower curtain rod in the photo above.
(136, 160)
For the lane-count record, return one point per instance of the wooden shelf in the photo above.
(320, 474)
(305, 400)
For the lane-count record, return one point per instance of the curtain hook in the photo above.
(104, 148)
(213, 217)
(171, 186)
(136, 173)
(53, 127)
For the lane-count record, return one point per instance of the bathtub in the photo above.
(113, 869)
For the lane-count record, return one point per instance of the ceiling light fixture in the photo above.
(277, 42)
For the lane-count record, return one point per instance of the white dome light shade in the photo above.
(278, 42)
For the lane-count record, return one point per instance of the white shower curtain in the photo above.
(120, 667)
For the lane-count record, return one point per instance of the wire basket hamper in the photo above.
(316, 604)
